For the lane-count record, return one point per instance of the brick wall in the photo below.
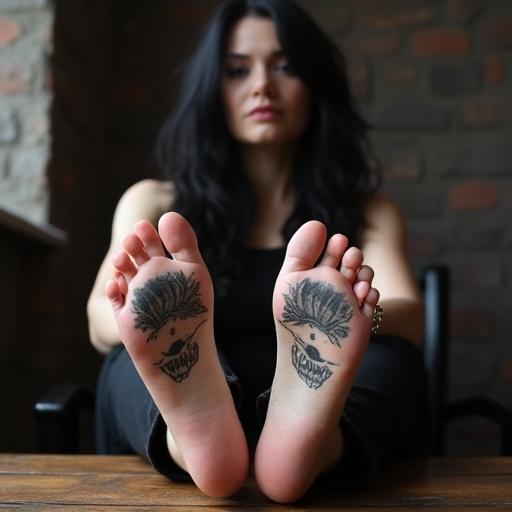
(432, 76)
(434, 79)
(25, 41)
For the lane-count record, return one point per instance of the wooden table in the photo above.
(54, 482)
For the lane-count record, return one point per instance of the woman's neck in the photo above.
(270, 170)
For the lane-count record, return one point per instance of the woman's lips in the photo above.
(265, 113)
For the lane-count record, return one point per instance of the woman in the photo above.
(264, 139)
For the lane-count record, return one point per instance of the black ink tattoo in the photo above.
(181, 356)
(310, 365)
(170, 295)
(318, 304)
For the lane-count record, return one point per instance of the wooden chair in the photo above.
(58, 412)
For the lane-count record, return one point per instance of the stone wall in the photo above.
(25, 44)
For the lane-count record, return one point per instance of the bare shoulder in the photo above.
(383, 216)
(146, 199)
(151, 191)
(380, 205)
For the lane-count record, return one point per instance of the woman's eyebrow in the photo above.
(234, 55)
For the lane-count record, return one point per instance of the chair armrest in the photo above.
(490, 408)
(435, 284)
(57, 414)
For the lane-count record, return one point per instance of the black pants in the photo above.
(383, 417)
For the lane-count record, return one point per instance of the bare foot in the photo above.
(164, 311)
(323, 320)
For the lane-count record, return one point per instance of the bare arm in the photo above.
(147, 199)
(385, 249)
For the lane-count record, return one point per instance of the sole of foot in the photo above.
(164, 312)
(323, 308)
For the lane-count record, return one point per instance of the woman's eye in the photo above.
(236, 72)
(284, 67)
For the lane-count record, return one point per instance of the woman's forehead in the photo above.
(253, 35)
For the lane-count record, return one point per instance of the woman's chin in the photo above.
(267, 139)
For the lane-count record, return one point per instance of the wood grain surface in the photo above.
(127, 483)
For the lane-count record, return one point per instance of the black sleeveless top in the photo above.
(244, 322)
(243, 318)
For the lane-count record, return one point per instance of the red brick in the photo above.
(494, 69)
(440, 41)
(404, 18)
(485, 113)
(14, 76)
(385, 44)
(497, 32)
(405, 165)
(474, 195)
(472, 323)
(9, 30)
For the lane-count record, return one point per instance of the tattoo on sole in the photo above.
(310, 365)
(171, 295)
(322, 308)
(318, 304)
(182, 355)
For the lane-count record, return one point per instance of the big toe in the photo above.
(179, 238)
(305, 247)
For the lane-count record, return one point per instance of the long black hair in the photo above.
(335, 168)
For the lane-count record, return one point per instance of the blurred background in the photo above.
(85, 86)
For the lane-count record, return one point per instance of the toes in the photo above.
(305, 247)
(121, 282)
(179, 238)
(363, 283)
(124, 264)
(365, 273)
(114, 294)
(133, 246)
(149, 237)
(336, 246)
(350, 263)
(361, 289)
(371, 301)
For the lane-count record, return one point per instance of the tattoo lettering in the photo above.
(181, 356)
(170, 295)
(308, 362)
(319, 304)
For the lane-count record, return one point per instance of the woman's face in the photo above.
(265, 103)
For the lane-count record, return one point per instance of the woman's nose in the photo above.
(262, 85)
